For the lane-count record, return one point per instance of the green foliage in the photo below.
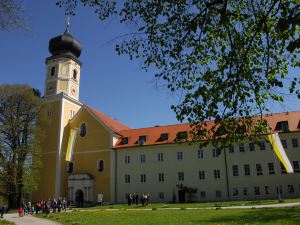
(227, 59)
(19, 141)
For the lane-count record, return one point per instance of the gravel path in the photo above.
(32, 220)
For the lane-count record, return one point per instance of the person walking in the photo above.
(2, 211)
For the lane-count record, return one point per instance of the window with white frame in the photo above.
(218, 194)
(160, 157)
(295, 142)
(245, 191)
(202, 194)
(296, 167)
(283, 170)
(216, 152)
(242, 148)
(161, 177)
(143, 178)
(235, 192)
(201, 175)
(180, 176)
(290, 189)
(127, 178)
(200, 154)
(179, 156)
(284, 143)
(127, 159)
(217, 174)
(161, 195)
(259, 171)
(256, 190)
(271, 168)
(251, 147)
(231, 149)
(235, 170)
(262, 146)
(247, 169)
(267, 190)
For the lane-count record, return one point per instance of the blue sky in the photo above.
(110, 83)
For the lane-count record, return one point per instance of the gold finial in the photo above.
(68, 24)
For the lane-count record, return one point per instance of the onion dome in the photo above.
(65, 44)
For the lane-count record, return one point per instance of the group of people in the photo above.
(133, 198)
(45, 206)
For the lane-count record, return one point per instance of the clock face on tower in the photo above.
(73, 90)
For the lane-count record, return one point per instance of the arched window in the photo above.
(100, 165)
(75, 74)
(69, 167)
(52, 71)
(82, 130)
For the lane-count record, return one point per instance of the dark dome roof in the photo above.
(65, 44)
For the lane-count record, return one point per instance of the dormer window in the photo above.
(124, 141)
(75, 74)
(164, 137)
(181, 135)
(283, 126)
(52, 72)
(142, 140)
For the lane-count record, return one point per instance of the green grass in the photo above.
(270, 216)
(195, 205)
(5, 222)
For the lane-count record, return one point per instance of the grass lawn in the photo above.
(4, 222)
(185, 217)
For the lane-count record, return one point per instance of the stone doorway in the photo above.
(79, 198)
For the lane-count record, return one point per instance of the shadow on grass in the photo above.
(257, 216)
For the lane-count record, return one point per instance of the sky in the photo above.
(109, 83)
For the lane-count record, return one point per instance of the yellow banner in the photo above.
(280, 152)
(71, 142)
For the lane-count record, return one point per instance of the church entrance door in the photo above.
(79, 198)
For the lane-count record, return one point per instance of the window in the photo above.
(201, 175)
(160, 157)
(251, 147)
(161, 195)
(179, 156)
(216, 152)
(217, 174)
(235, 170)
(50, 87)
(72, 113)
(143, 158)
(242, 148)
(70, 167)
(231, 149)
(279, 189)
(75, 74)
(52, 71)
(259, 171)
(245, 191)
(295, 142)
(180, 176)
(181, 135)
(271, 168)
(247, 169)
(283, 170)
(143, 178)
(200, 154)
(125, 141)
(127, 159)
(164, 137)
(100, 165)
(291, 189)
(218, 194)
(262, 146)
(267, 190)
(127, 178)
(202, 194)
(235, 192)
(161, 177)
(283, 126)
(296, 166)
(142, 140)
(256, 190)
(82, 131)
(284, 143)
(49, 114)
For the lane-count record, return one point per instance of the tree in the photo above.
(11, 15)
(228, 59)
(19, 141)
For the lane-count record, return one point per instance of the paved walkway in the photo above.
(30, 220)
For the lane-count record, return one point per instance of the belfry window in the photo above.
(82, 131)
(69, 167)
(75, 74)
(52, 71)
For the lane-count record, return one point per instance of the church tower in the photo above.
(61, 103)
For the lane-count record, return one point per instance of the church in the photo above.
(110, 159)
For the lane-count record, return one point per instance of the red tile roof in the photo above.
(153, 133)
(113, 124)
